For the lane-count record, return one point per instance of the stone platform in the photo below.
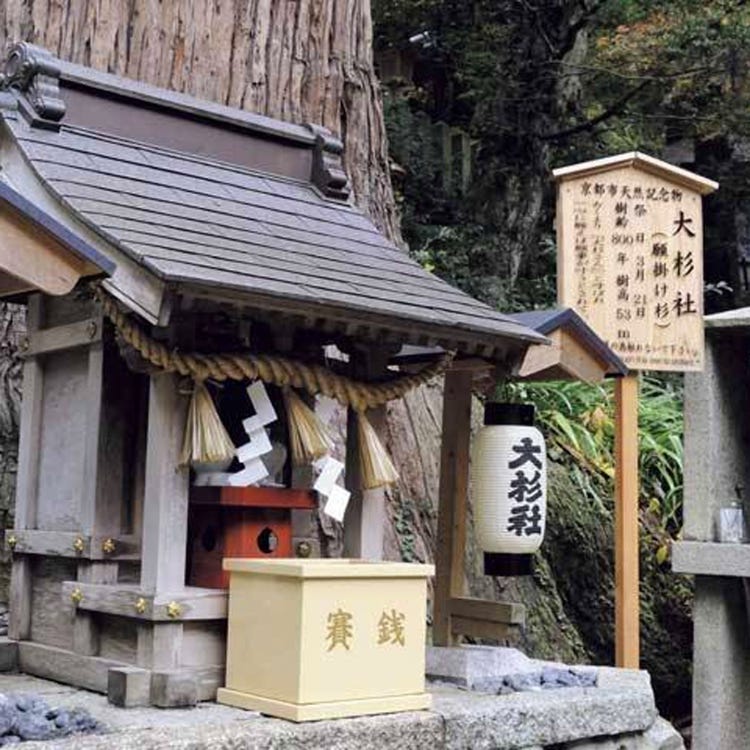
(618, 713)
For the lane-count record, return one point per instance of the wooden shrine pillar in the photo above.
(454, 613)
(71, 354)
(100, 512)
(165, 515)
(454, 485)
(19, 621)
(364, 528)
(364, 524)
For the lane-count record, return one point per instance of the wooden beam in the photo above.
(541, 357)
(11, 286)
(121, 599)
(567, 358)
(85, 624)
(508, 613)
(75, 545)
(160, 645)
(471, 364)
(496, 631)
(454, 481)
(87, 490)
(627, 607)
(69, 336)
(581, 362)
(88, 672)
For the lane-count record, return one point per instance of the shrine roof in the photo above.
(44, 222)
(549, 320)
(206, 199)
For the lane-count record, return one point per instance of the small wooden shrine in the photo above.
(162, 243)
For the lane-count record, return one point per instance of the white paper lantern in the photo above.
(509, 488)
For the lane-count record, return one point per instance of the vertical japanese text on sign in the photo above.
(630, 242)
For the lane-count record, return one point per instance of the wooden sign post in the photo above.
(630, 262)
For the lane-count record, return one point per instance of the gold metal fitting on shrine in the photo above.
(76, 596)
(91, 329)
(12, 541)
(174, 610)
(304, 549)
(79, 545)
(108, 546)
(140, 605)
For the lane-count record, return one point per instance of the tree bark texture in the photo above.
(296, 60)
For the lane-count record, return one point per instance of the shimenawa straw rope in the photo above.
(204, 443)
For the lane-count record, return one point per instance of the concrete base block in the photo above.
(128, 686)
(8, 655)
(477, 667)
(173, 688)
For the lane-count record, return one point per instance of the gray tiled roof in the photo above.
(199, 221)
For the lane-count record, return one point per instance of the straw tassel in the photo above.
(376, 467)
(308, 439)
(206, 440)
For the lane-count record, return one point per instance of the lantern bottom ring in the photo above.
(505, 564)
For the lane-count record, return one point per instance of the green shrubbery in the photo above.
(578, 421)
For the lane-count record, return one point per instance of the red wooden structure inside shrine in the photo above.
(239, 522)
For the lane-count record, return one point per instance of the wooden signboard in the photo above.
(630, 262)
(630, 257)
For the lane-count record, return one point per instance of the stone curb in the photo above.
(460, 720)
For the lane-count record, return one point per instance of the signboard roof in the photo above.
(647, 163)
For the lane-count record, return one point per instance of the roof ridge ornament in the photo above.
(328, 172)
(35, 73)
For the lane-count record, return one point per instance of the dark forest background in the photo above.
(484, 98)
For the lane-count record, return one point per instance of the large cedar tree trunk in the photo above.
(297, 60)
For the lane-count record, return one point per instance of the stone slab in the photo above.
(459, 719)
(408, 731)
(711, 559)
(663, 736)
(488, 722)
(494, 669)
(616, 678)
